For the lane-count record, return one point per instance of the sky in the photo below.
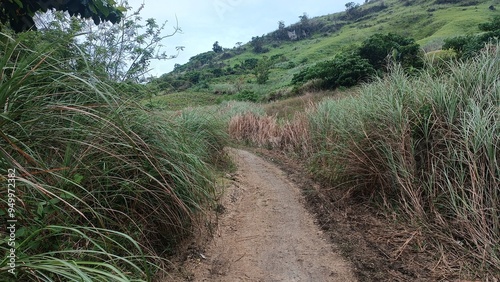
(227, 21)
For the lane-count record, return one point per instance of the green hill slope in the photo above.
(230, 73)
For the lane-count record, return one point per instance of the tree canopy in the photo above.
(404, 50)
(19, 13)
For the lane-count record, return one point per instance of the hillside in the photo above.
(217, 76)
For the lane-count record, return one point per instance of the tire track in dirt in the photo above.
(266, 234)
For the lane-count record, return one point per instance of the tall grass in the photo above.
(267, 131)
(428, 147)
(104, 188)
(425, 148)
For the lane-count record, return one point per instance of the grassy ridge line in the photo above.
(425, 148)
(427, 22)
(104, 188)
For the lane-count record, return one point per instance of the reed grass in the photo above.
(428, 147)
(105, 189)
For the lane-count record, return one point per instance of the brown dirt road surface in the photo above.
(266, 234)
(275, 223)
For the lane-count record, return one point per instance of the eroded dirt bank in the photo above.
(266, 234)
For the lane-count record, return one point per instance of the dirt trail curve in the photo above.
(266, 234)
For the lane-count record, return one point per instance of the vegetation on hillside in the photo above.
(469, 45)
(380, 31)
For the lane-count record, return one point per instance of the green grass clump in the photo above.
(104, 188)
(428, 148)
(179, 101)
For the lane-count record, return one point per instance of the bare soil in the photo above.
(265, 233)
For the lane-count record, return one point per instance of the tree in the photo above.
(19, 13)
(379, 47)
(262, 70)
(304, 20)
(351, 6)
(217, 48)
(343, 70)
(250, 63)
(123, 51)
(281, 25)
(119, 52)
(305, 25)
(281, 33)
(352, 9)
(258, 44)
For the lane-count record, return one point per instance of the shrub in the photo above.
(379, 47)
(247, 95)
(262, 70)
(343, 70)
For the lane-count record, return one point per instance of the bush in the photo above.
(262, 70)
(247, 95)
(344, 70)
(380, 47)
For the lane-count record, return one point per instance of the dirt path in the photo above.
(266, 234)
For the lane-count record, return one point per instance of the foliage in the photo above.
(382, 49)
(117, 52)
(427, 148)
(60, 33)
(343, 70)
(351, 9)
(258, 45)
(19, 13)
(123, 51)
(250, 63)
(217, 48)
(354, 11)
(202, 60)
(262, 70)
(331, 34)
(247, 95)
(469, 45)
(464, 46)
(281, 33)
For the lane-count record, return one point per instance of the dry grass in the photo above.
(267, 131)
